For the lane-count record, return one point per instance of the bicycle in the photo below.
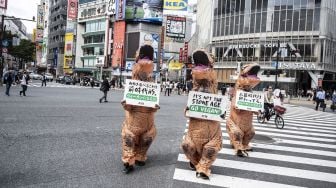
(278, 111)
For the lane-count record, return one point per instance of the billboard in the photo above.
(3, 4)
(120, 10)
(118, 43)
(144, 10)
(68, 50)
(40, 17)
(111, 7)
(72, 9)
(175, 7)
(175, 27)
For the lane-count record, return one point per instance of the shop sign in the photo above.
(175, 7)
(299, 66)
(206, 106)
(257, 45)
(249, 101)
(142, 93)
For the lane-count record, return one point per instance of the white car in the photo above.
(49, 77)
(35, 76)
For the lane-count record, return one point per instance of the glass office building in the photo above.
(303, 32)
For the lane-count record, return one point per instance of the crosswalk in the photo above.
(303, 154)
(57, 85)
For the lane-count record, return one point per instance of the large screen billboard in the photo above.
(144, 10)
(176, 27)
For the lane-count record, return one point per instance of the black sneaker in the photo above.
(100, 100)
(140, 163)
(202, 175)
(192, 166)
(127, 168)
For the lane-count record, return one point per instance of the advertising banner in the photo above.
(175, 7)
(206, 106)
(142, 93)
(175, 27)
(118, 43)
(120, 10)
(39, 35)
(249, 101)
(144, 10)
(72, 9)
(3, 4)
(111, 7)
(40, 17)
(175, 65)
(68, 50)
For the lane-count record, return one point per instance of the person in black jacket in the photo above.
(8, 81)
(105, 87)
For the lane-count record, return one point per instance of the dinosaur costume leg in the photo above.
(145, 140)
(209, 153)
(236, 135)
(190, 150)
(247, 138)
(129, 141)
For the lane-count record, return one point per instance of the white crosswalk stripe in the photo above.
(303, 154)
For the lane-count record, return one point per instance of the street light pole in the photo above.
(276, 66)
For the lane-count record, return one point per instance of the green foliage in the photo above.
(24, 51)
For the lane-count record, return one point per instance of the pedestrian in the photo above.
(166, 88)
(320, 97)
(91, 82)
(8, 80)
(171, 87)
(223, 89)
(268, 102)
(333, 99)
(231, 92)
(44, 80)
(105, 87)
(189, 85)
(24, 83)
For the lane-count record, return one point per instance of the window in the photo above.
(258, 24)
(302, 20)
(316, 24)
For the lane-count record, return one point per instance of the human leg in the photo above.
(190, 151)
(145, 142)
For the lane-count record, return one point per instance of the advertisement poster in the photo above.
(142, 93)
(144, 10)
(72, 9)
(40, 18)
(175, 7)
(206, 106)
(120, 10)
(176, 27)
(68, 40)
(250, 101)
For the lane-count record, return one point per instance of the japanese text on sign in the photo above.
(142, 93)
(249, 101)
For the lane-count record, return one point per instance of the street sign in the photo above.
(4, 50)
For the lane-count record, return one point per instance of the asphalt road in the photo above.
(63, 137)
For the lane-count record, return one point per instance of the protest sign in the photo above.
(141, 93)
(206, 106)
(249, 101)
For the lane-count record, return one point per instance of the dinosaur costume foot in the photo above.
(127, 168)
(192, 166)
(202, 175)
(140, 163)
(242, 153)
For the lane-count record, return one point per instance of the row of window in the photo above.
(96, 25)
(94, 39)
(272, 21)
(91, 51)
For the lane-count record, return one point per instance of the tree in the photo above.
(25, 51)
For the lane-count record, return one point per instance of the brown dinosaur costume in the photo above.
(239, 124)
(204, 137)
(138, 131)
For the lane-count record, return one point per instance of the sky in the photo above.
(24, 9)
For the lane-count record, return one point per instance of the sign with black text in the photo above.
(249, 101)
(176, 27)
(206, 106)
(142, 93)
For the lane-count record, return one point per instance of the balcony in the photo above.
(93, 33)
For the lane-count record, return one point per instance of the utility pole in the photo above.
(1, 39)
(276, 66)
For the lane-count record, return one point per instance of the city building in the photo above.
(299, 33)
(57, 29)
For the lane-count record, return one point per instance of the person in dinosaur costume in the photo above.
(138, 131)
(204, 137)
(239, 124)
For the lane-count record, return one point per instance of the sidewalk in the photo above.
(309, 104)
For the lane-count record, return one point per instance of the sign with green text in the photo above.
(141, 93)
(206, 106)
(250, 101)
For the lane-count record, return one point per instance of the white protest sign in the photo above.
(141, 93)
(206, 106)
(249, 101)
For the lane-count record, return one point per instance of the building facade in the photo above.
(56, 35)
(300, 33)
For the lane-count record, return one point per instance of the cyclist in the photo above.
(268, 103)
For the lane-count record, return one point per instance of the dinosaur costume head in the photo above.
(204, 78)
(248, 78)
(143, 69)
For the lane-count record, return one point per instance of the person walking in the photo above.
(320, 97)
(24, 83)
(333, 100)
(268, 103)
(105, 87)
(8, 80)
(223, 89)
(44, 80)
(92, 82)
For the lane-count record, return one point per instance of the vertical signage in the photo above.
(185, 56)
(120, 10)
(40, 14)
(181, 55)
(72, 9)
(118, 43)
(111, 7)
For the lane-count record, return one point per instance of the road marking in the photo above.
(300, 132)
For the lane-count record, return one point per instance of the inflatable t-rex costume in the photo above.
(239, 124)
(138, 130)
(204, 137)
